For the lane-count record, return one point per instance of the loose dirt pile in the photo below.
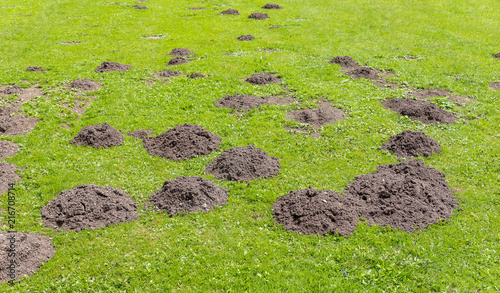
(258, 15)
(168, 74)
(7, 176)
(196, 75)
(245, 38)
(272, 6)
(345, 61)
(363, 72)
(177, 61)
(84, 84)
(180, 52)
(246, 102)
(14, 123)
(408, 144)
(420, 110)
(109, 66)
(8, 149)
(405, 196)
(140, 133)
(244, 163)
(182, 142)
(263, 78)
(35, 69)
(31, 251)
(139, 7)
(98, 136)
(318, 212)
(12, 90)
(188, 194)
(323, 115)
(495, 86)
(89, 207)
(230, 11)
(497, 55)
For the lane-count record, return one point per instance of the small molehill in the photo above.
(182, 142)
(89, 207)
(324, 114)
(109, 66)
(263, 79)
(14, 123)
(405, 196)
(497, 55)
(244, 163)
(168, 74)
(363, 72)
(7, 176)
(409, 144)
(31, 252)
(230, 11)
(344, 61)
(189, 195)
(35, 69)
(177, 61)
(246, 102)
(98, 136)
(245, 38)
(196, 75)
(495, 86)
(140, 133)
(12, 90)
(139, 7)
(8, 149)
(180, 52)
(84, 85)
(272, 6)
(258, 15)
(318, 212)
(420, 110)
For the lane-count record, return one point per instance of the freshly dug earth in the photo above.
(318, 212)
(139, 7)
(182, 142)
(244, 163)
(196, 75)
(230, 11)
(17, 124)
(245, 38)
(271, 6)
(263, 78)
(495, 86)
(8, 149)
(420, 110)
(109, 66)
(12, 90)
(188, 194)
(344, 61)
(7, 176)
(323, 115)
(258, 15)
(405, 196)
(246, 102)
(180, 52)
(98, 136)
(35, 69)
(408, 144)
(89, 207)
(84, 85)
(497, 55)
(177, 61)
(168, 74)
(140, 133)
(31, 251)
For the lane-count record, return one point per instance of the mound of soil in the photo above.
(177, 61)
(12, 90)
(168, 74)
(244, 163)
(274, 26)
(89, 207)
(495, 86)
(35, 69)
(318, 212)
(230, 11)
(272, 6)
(31, 251)
(196, 75)
(7, 176)
(182, 142)
(263, 78)
(15, 124)
(258, 15)
(109, 66)
(363, 72)
(181, 52)
(246, 102)
(84, 85)
(420, 110)
(188, 194)
(497, 55)
(408, 144)
(344, 61)
(245, 38)
(98, 136)
(8, 149)
(140, 133)
(405, 196)
(323, 115)
(139, 7)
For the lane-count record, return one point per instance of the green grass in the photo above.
(239, 247)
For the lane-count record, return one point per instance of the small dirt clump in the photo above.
(31, 252)
(196, 75)
(139, 7)
(230, 12)
(168, 74)
(409, 144)
(363, 72)
(245, 38)
(12, 90)
(109, 66)
(98, 136)
(272, 6)
(177, 61)
(180, 52)
(35, 69)
(8, 149)
(244, 163)
(84, 84)
(7, 176)
(497, 55)
(140, 133)
(420, 110)
(345, 61)
(182, 142)
(323, 115)
(263, 79)
(89, 207)
(258, 15)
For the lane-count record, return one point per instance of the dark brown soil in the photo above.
(344, 61)
(196, 75)
(258, 15)
(405, 196)
(420, 110)
(354, 70)
(168, 74)
(109, 66)
(274, 26)
(272, 6)
(244, 163)
(13, 123)
(177, 61)
(323, 115)
(85, 85)
(31, 252)
(230, 11)
(139, 7)
(12, 90)
(495, 86)
(35, 69)
(245, 38)
(89, 207)
(7, 176)
(432, 93)
(141, 133)
(408, 144)
(246, 102)
(263, 79)
(182, 142)
(98, 136)
(180, 52)
(8, 149)
(188, 194)
(497, 55)
(363, 72)
(318, 212)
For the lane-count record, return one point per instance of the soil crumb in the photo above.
(246, 102)
(244, 163)
(109, 66)
(84, 84)
(31, 252)
(196, 75)
(258, 15)
(35, 69)
(318, 212)
(7, 176)
(177, 61)
(14, 123)
(139, 7)
(180, 52)
(263, 78)
(182, 142)
(245, 38)
(272, 6)
(168, 74)
(140, 133)
(409, 144)
(8, 149)
(89, 207)
(420, 110)
(345, 61)
(318, 117)
(98, 136)
(230, 11)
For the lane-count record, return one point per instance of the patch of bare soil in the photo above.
(7, 149)
(230, 12)
(140, 133)
(7, 176)
(177, 61)
(420, 110)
